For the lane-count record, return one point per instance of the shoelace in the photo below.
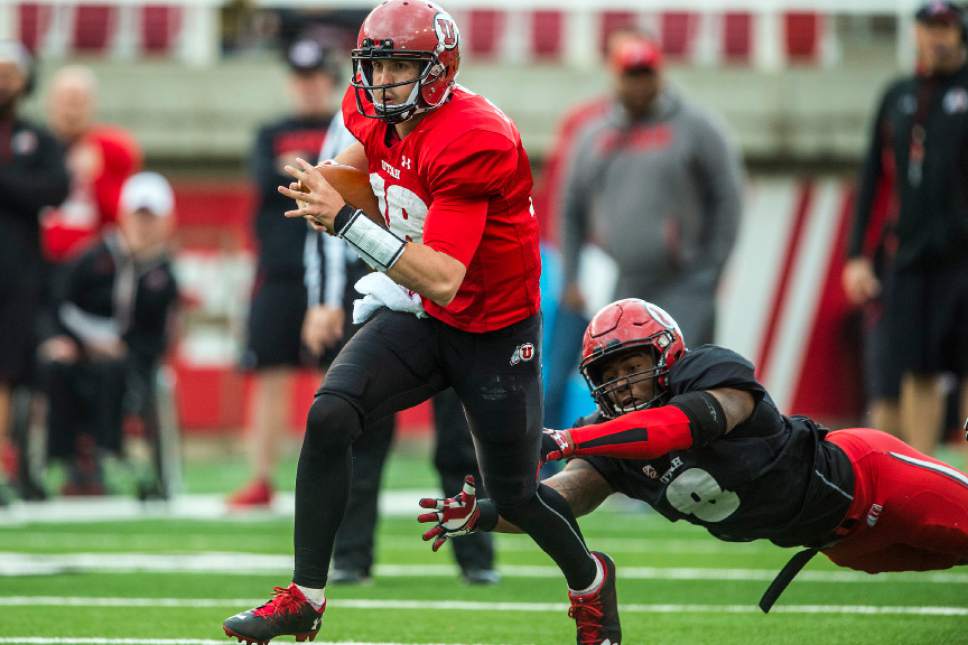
(588, 618)
(283, 602)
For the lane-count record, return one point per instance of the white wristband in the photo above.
(379, 247)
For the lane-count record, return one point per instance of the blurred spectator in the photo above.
(278, 307)
(568, 325)
(99, 158)
(108, 333)
(32, 176)
(920, 137)
(656, 184)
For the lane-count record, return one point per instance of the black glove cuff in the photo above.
(489, 515)
(343, 218)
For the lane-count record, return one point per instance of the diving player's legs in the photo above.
(911, 510)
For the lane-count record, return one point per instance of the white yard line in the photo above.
(116, 508)
(462, 605)
(20, 564)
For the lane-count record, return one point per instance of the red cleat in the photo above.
(596, 613)
(256, 495)
(287, 614)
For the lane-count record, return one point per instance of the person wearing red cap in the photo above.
(911, 270)
(655, 182)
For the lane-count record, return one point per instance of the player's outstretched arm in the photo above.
(690, 419)
(581, 486)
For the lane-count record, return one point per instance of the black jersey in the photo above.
(281, 241)
(771, 477)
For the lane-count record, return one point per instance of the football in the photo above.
(354, 185)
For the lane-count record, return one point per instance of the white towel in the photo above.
(378, 291)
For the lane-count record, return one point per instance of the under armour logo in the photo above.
(405, 162)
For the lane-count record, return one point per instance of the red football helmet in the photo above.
(625, 326)
(414, 30)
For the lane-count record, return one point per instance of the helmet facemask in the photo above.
(362, 81)
(617, 396)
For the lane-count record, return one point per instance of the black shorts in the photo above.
(275, 324)
(397, 360)
(926, 313)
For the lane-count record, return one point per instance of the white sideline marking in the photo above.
(465, 605)
(20, 564)
(80, 640)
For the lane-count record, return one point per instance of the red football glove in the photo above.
(455, 516)
(556, 444)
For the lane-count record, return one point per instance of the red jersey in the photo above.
(460, 183)
(99, 163)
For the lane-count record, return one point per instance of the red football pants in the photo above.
(911, 511)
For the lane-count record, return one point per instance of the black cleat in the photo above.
(287, 614)
(596, 613)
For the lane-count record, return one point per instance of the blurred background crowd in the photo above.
(788, 179)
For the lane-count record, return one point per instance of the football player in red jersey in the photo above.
(458, 230)
(693, 434)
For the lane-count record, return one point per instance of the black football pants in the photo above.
(397, 360)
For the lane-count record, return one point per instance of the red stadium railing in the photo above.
(762, 34)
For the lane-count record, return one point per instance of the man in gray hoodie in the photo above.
(656, 184)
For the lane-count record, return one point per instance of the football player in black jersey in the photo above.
(697, 437)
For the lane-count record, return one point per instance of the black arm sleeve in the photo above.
(870, 178)
(43, 183)
(262, 161)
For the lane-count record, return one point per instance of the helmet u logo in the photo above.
(447, 33)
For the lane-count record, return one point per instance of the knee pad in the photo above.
(333, 423)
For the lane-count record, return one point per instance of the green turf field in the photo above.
(173, 581)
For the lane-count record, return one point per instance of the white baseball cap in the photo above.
(13, 51)
(149, 191)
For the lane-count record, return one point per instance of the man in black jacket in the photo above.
(273, 350)
(920, 144)
(32, 176)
